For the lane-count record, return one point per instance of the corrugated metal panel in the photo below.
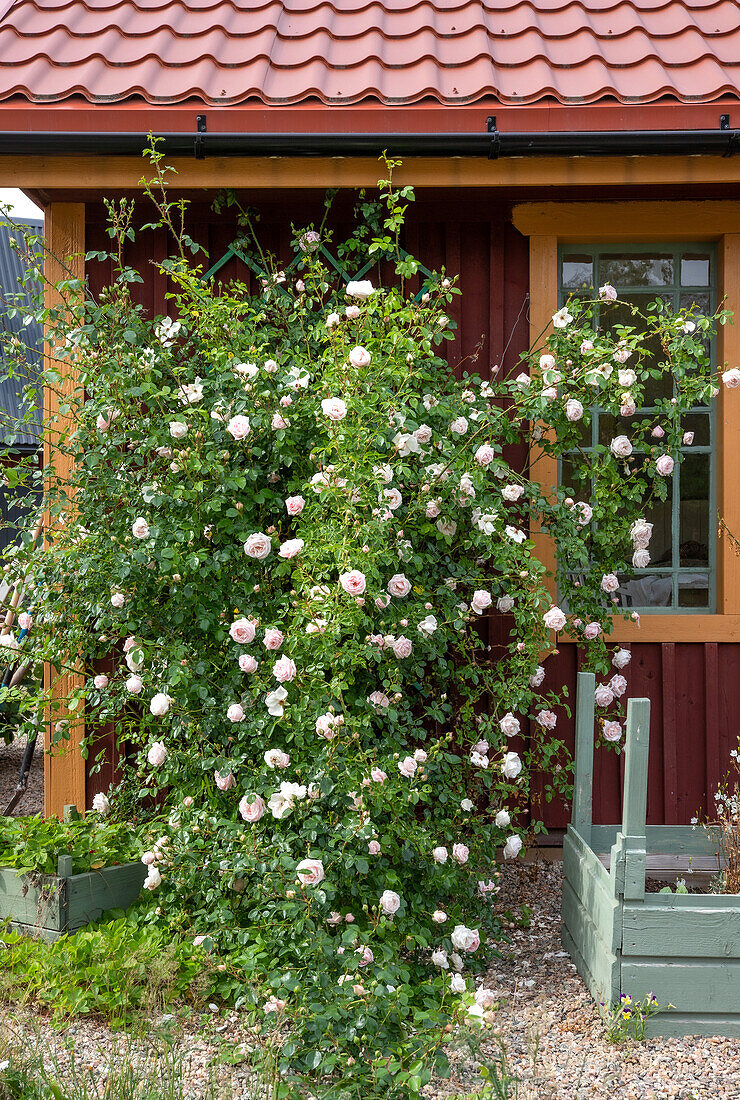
(394, 51)
(12, 270)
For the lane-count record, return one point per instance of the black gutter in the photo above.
(492, 144)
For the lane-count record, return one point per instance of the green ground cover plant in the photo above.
(32, 845)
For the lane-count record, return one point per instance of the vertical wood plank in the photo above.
(543, 295)
(711, 721)
(496, 283)
(670, 733)
(584, 763)
(64, 767)
(728, 424)
(631, 842)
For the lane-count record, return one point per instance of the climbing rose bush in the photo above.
(288, 532)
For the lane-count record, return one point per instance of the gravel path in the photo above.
(10, 766)
(545, 1005)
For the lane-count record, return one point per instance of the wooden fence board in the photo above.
(691, 985)
(599, 964)
(681, 932)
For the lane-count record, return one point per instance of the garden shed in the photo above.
(550, 144)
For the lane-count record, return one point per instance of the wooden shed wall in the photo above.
(694, 688)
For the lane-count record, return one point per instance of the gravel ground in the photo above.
(10, 766)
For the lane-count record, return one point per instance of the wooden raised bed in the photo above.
(685, 948)
(50, 905)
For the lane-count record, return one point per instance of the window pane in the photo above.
(647, 590)
(578, 271)
(580, 487)
(693, 590)
(609, 426)
(694, 270)
(659, 513)
(620, 314)
(640, 269)
(698, 423)
(695, 519)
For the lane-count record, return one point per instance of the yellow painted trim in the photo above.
(64, 767)
(93, 173)
(549, 223)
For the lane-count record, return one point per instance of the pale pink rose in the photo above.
(334, 408)
(247, 663)
(509, 726)
(688, 439)
(291, 548)
(512, 492)
(284, 670)
(360, 357)
(187, 801)
(310, 872)
(402, 648)
(407, 767)
(399, 585)
(105, 419)
(420, 756)
(392, 498)
(101, 682)
(664, 466)
(148, 859)
(621, 353)
(359, 288)
(373, 848)
(537, 677)
(609, 582)
(612, 731)
(238, 427)
(439, 916)
(325, 726)
(460, 853)
(273, 638)
(378, 775)
(554, 619)
(258, 546)
(657, 432)
(178, 429)
(621, 658)
(584, 513)
(440, 855)
(25, 621)
(140, 528)
(627, 408)
(607, 293)
(353, 583)
(465, 939)
(135, 685)
(157, 754)
(591, 631)
(586, 346)
(276, 758)
(573, 409)
(485, 454)
(352, 313)
(620, 446)
(504, 604)
(641, 532)
(274, 1004)
(242, 631)
(459, 426)
(390, 902)
(481, 601)
(547, 719)
(235, 713)
(286, 400)
(225, 782)
(731, 378)
(160, 704)
(513, 847)
(618, 684)
(446, 527)
(511, 765)
(332, 320)
(641, 559)
(547, 361)
(295, 505)
(278, 422)
(603, 696)
(432, 509)
(334, 918)
(365, 960)
(423, 434)
(381, 602)
(379, 699)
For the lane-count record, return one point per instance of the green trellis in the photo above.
(236, 252)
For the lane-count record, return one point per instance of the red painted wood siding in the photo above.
(694, 688)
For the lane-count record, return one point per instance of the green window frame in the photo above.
(681, 273)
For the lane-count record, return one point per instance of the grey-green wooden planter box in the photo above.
(683, 947)
(50, 905)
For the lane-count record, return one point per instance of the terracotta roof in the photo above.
(392, 51)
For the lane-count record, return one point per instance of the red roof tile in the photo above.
(394, 51)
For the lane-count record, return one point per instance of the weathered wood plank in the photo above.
(40, 905)
(89, 895)
(690, 985)
(592, 886)
(665, 839)
(596, 963)
(693, 1023)
(584, 757)
(687, 932)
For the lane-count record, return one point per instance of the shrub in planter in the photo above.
(291, 522)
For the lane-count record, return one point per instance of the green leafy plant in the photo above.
(627, 1019)
(34, 844)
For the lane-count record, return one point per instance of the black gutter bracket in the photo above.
(733, 136)
(199, 147)
(495, 147)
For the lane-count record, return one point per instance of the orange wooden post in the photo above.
(64, 767)
(728, 422)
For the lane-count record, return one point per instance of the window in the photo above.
(682, 573)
